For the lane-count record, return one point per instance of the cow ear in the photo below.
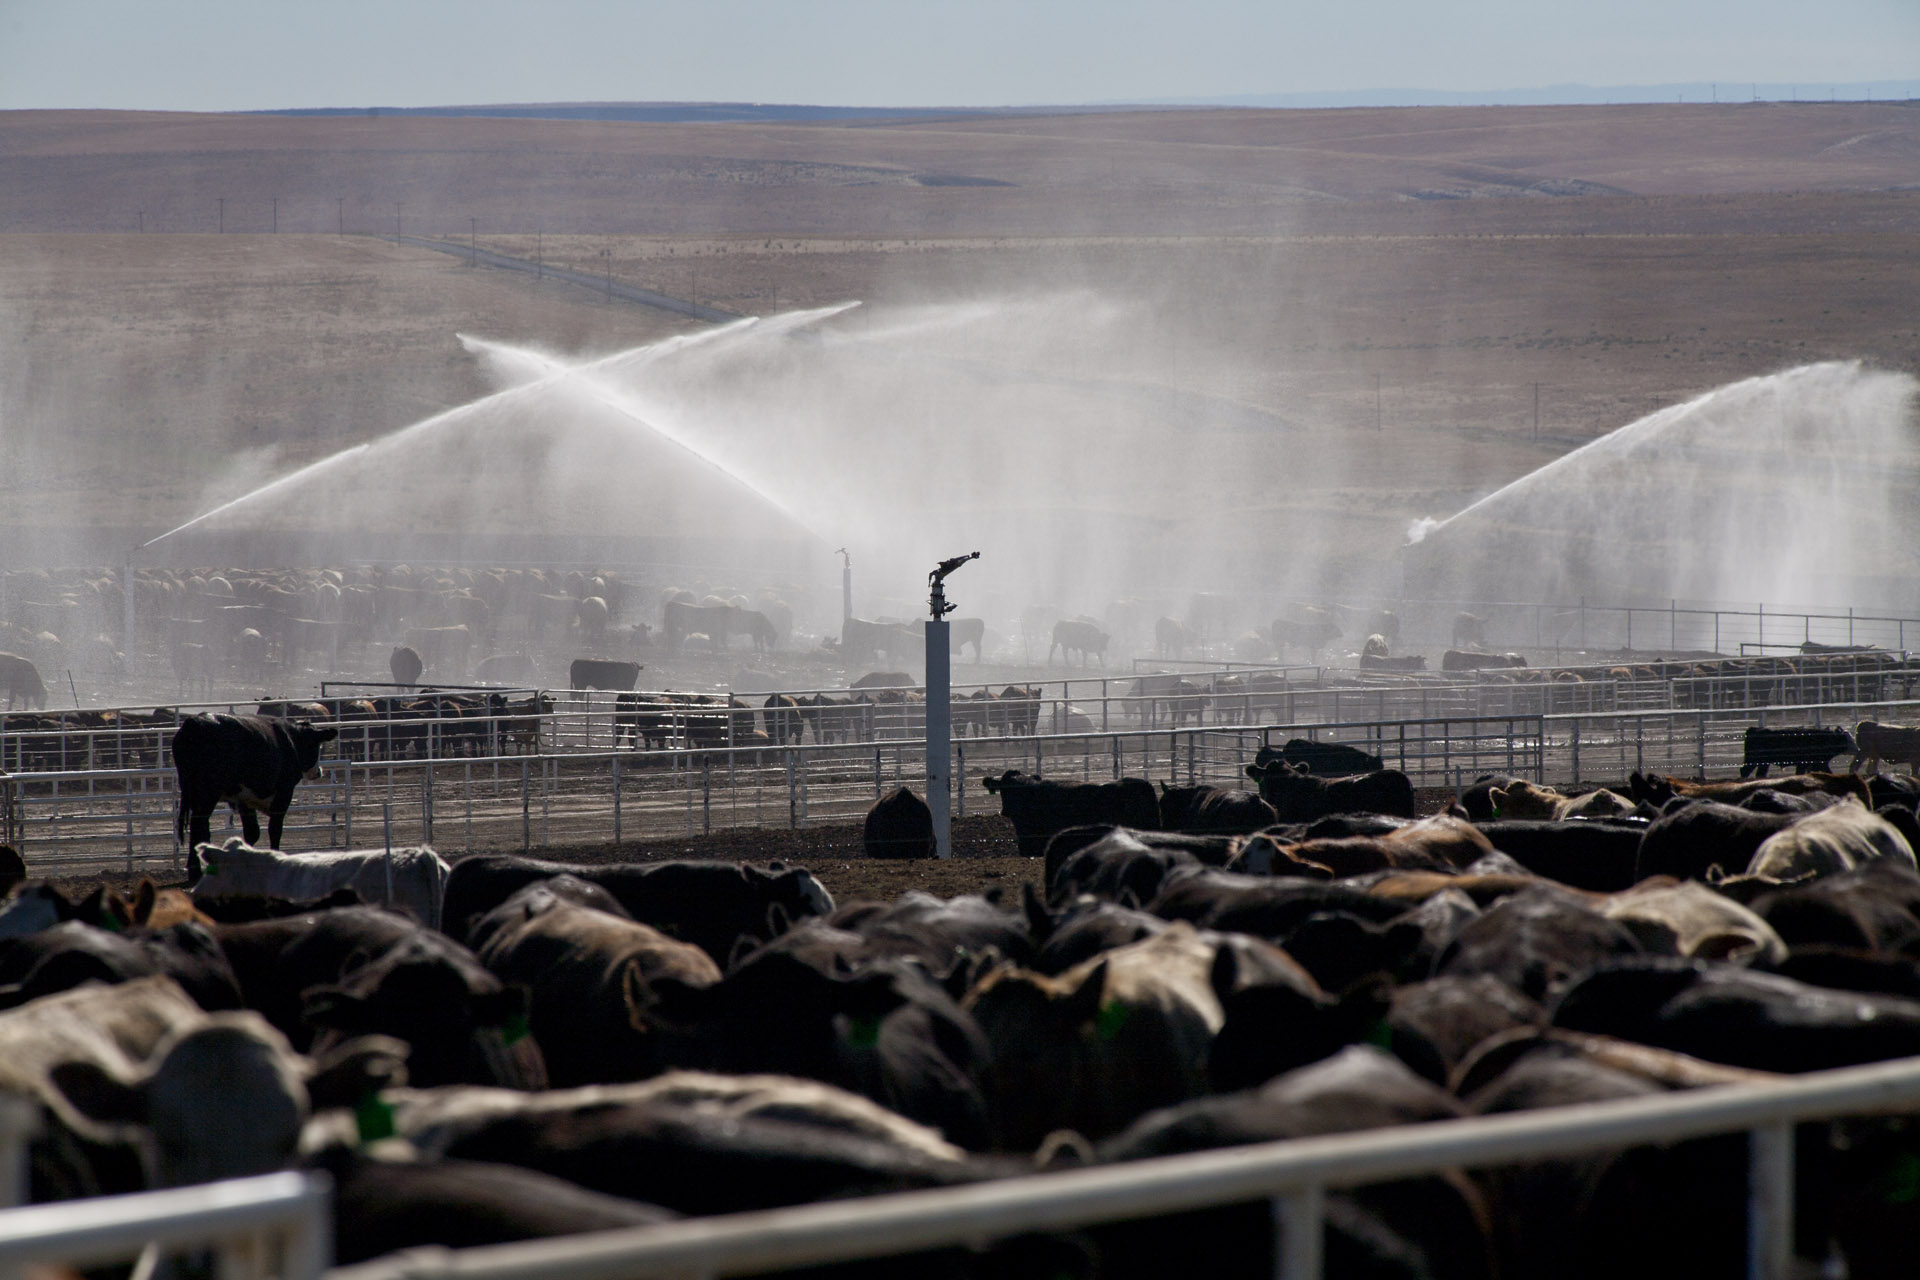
(144, 898)
(1040, 922)
(778, 921)
(352, 1071)
(99, 1095)
(1083, 1004)
(743, 946)
(776, 866)
(1224, 976)
(334, 1007)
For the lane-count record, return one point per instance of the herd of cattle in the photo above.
(508, 1048)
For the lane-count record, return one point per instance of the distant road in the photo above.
(602, 284)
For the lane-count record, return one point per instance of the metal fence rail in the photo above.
(1294, 1175)
(275, 1225)
(124, 819)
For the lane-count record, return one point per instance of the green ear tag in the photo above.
(208, 869)
(1112, 1016)
(1901, 1183)
(373, 1118)
(863, 1033)
(514, 1029)
(1379, 1035)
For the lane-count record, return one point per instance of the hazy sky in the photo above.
(206, 55)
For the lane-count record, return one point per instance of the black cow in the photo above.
(1803, 750)
(899, 826)
(250, 762)
(1599, 856)
(710, 904)
(1298, 796)
(1327, 758)
(1039, 809)
(1213, 809)
(598, 673)
(1692, 836)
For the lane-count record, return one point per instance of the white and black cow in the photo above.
(250, 762)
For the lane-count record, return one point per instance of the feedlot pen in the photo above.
(109, 820)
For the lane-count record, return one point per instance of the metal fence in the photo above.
(1294, 1176)
(276, 1225)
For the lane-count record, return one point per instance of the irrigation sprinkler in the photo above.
(940, 706)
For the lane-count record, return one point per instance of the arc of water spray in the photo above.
(652, 351)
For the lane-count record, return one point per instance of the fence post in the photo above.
(1770, 1202)
(959, 780)
(1300, 1237)
(426, 805)
(526, 809)
(877, 784)
(616, 801)
(706, 795)
(1703, 747)
(793, 797)
(1574, 742)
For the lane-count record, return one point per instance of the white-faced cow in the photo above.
(250, 762)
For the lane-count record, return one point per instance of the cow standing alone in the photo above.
(250, 762)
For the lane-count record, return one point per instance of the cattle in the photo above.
(1170, 638)
(1117, 864)
(884, 680)
(1375, 647)
(1652, 789)
(1405, 663)
(413, 879)
(1892, 743)
(862, 641)
(899, 826)
(191, 1096)
(598, 673)
(710, 904)
(836, 719)
(1312, 632)
(1084, 638)
(1040, 809)
(515, 669)
(1469, 631)
(1467, 660)
(1016, 710)
(1537, 941)
(1437, 843)
(968, 631)
(67, 954)
(1520, 799)
(405, 665)
(1334, 759)
(1213, 809)
(250, 762)
(1436, 1023)
(785, 723)
(1837, 838)
(324, 977)
(382, 1205)
(1740, 1017)
(1597, 856)
(1804, 750)
(1691, 837)
(1428, 1227)
(1298, 796)
(22, 680)
(590, 972)
(1108, 1040)
(1689, 919)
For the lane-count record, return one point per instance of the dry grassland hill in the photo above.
(1403, 278)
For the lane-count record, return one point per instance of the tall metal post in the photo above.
(940, 707)
(940, 735)
(126, 612)
(846, 586)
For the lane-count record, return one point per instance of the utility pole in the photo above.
(223, 213)
(276, 215)
(473, 241)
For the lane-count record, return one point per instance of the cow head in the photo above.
(307, 742)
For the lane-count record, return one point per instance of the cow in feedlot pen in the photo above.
(250, 762)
